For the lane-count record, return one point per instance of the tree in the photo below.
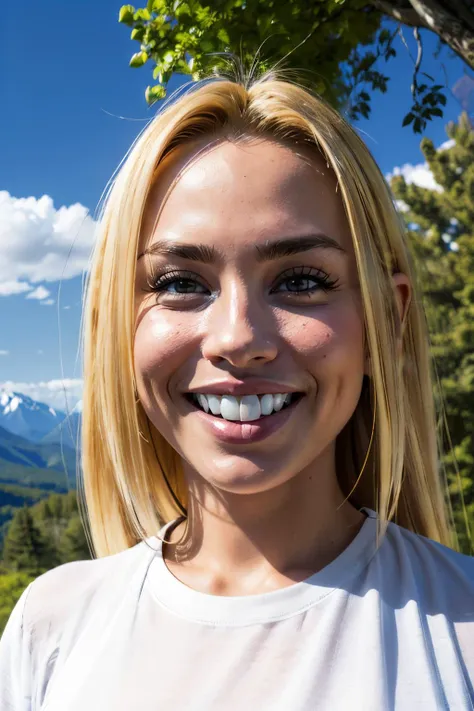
(55, 527)
(74, 543)
(323, 37)
(52, 516)
(442, 236)
(11, 587)
(25, 549)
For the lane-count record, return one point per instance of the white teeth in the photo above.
(203, 402)
(278, 401)
(214, 404)
(230, 409)
(266, 403)
(250, 408)
(244, 409)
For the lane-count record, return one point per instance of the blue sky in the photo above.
(66, 84)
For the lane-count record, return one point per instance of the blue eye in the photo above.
(300, 281)
(182, 282)
(300, 278)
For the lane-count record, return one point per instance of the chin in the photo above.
(242, 476)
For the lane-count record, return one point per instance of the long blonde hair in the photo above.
(387, 456)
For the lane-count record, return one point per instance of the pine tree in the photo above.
(74, 543)
(25, 549)
(442, 237)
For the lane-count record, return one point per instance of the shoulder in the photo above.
(438, 577)
(71, 590)
(53, 612)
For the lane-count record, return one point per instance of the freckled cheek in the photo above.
(331, 342)
(161, 346)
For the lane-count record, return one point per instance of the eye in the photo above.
(181, 283)
(297, 282)
(305, 281)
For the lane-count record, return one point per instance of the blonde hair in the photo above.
(387, 455)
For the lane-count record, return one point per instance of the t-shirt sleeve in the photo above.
(15, 660)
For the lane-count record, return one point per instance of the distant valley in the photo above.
(38, 451)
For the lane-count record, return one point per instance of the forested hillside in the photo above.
(441, 233)
(38, 538)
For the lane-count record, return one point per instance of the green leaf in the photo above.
(436, 112)
(138, 33)
(223, 36)
(155, 93)
(138, 59)
(126, 14)
(364, 109)
(182, 11)
(408, 119)
(206, 46)
(442, 99)
(142, 14)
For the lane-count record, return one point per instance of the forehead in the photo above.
(244, 191)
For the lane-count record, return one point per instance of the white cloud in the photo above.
(7, 288)
(51, 392)
(4, 353)
(41, 243)
(419, 174)
(48, 302)
(39, 293)
(401, 206)
(447, 144)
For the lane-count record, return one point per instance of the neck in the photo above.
(238, 544)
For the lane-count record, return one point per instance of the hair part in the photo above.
(131, 475)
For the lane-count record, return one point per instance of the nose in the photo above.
(239, 329)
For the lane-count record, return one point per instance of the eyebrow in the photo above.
(265, 252)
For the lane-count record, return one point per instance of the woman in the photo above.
(259, 444)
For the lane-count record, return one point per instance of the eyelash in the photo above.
(159, 282)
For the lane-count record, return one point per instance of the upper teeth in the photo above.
(245, 408)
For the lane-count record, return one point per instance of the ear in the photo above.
(403, 294)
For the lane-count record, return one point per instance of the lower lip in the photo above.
(233, 432)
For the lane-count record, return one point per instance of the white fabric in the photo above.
(394, 630)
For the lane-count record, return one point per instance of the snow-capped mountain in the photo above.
(67, 432)
(34, 420)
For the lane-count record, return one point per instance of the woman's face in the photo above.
(252, 299)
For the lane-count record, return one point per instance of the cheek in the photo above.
(332, 339)
(161, 345)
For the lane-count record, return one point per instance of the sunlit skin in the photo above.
(269, 513)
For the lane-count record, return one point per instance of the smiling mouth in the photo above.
(293, 398)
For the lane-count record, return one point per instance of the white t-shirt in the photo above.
(394, 630)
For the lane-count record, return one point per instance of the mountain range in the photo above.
(37, 421)
(38, 450)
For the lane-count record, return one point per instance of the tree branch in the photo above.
(400, 11)
(451, 22)
(449, 19)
